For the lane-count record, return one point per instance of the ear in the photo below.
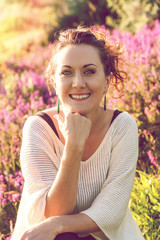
(53, 82)
(107, 82)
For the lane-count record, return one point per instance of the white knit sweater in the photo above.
(105, 179)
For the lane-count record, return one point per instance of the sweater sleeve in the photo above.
(110, 207)
(39, 165)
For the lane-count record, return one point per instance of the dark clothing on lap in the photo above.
(72, 236)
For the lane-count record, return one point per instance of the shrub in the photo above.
(142, 92)
(145, 204)
(132, 15)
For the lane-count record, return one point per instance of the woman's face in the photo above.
(79, 80)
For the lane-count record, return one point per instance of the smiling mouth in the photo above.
(80, 96)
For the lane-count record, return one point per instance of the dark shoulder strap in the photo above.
(47, 118)
(115, 114)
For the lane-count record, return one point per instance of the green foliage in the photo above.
(145, 204)
(84, 12)
(126, 15)
(71, 13)
(131, 15)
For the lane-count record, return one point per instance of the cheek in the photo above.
(61, 87)
(98, 85)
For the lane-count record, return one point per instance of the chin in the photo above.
(80, 111)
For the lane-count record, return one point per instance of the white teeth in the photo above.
(80, 96)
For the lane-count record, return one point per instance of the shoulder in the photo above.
(51, 111)
(124, 132)
(33, 122)
(123, 124)
(124, 119)
(36, 125)
(37, 133)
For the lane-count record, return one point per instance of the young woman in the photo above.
(79, 173)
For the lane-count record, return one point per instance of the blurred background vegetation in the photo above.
(24, 22)
(27, 27)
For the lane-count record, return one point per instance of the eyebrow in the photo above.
(87, 65)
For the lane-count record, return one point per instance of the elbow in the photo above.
(57, 211)
(56, 206)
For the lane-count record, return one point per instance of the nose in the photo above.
(78, 81)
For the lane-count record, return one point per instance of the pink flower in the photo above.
(1, 178)
(3, 202)
(146, 110)
(3, 187)
(8, 238)
(15, 197)
(1, 194)
(152, 158)
(16, 184)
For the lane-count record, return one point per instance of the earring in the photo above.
(58, 107)
(105, 102)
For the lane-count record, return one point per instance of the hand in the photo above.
(74, 127)
(42, 231)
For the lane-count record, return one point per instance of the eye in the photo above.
(89, 71)
(66, 72)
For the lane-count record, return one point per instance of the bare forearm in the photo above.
(51, 227)
(61, 198)
(77, 223)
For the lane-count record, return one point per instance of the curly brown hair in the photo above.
(110, 52)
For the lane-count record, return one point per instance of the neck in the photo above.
(96, 119)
